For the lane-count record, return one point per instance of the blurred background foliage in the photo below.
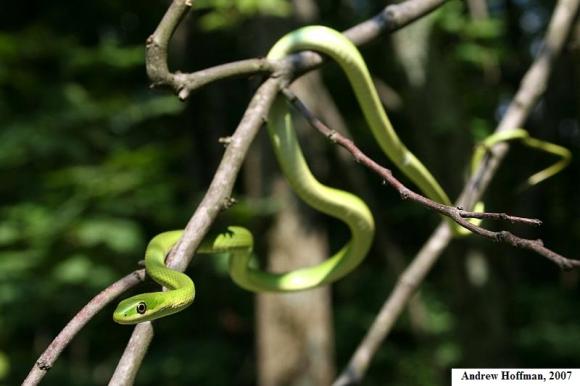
(93, 163)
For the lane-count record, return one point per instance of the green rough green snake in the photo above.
(348, 208)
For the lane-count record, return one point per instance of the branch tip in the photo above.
(43, 365)
(183, 94)
(457, 213)
(228, 203)
(225, 140)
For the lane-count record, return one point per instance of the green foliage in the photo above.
(77, 178)
(226, 14)
(479, 40)
(93, 163)
(4, 366)
(480, 129)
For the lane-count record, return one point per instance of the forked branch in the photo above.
(532, 87)
(458, 214)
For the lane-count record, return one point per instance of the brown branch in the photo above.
(185, 83)
(499, 217)
(392, 18)
(52, 352)
(532, 86)
(213, 202)
(456, 213)
(158, 71)
(133, 355)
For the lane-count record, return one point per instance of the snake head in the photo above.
(132, 310)
(142, 308)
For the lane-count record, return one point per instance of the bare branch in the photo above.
(532, 86)
(499, 217)
(457, 214)
(157, 43)
(185, 83)
(135, 351)
(216, 197)
(52, 352)
(392, 18)
(222, 183)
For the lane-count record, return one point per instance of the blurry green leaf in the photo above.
(8, 46)
(478, 38)
(480, 129)
(9, 293)
(119, 235)
(28, 220)
(109, 53)
(146, 109)
(484, 29)
(451, 17)
(471, 52)
(13, 264)
(4, 365)
(38, 136)
(439, 317)
(214, 21)
(35, 225)
(79, 269)
(227, 14)
(561, 338)
(123, 172)
(448, 354)
(73, 270)
(8, 234)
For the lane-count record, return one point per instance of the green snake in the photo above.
(348, 208)
(181, 291)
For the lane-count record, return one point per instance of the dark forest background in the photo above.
(93, 163)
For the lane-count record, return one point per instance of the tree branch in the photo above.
(213, 202)
(393, 17)
(456, 213)
(52, 352)
(222, 183)
(390, 19)
(532, 86)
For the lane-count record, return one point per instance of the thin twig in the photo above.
(222, 183)
(456, 213)
(52, 352)
(390, 19)
(533, 85)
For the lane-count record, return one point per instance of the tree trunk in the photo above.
(295, 342)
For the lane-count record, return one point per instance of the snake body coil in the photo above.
(342, 205)
(181, 291)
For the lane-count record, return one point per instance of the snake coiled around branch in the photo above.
(346, 207)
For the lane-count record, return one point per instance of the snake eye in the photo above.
(141, 308)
